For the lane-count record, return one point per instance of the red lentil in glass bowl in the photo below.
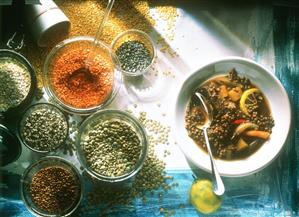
(74, 88)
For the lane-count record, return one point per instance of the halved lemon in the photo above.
(203, 198)
(247, 99)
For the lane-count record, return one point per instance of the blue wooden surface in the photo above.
(272, 192)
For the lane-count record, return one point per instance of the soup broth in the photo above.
(242, 120)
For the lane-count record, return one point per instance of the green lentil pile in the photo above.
(112, 148)
(54, 189)
(133, 56)
(44, 127)
(15, 82)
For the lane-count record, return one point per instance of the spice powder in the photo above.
(76, 86)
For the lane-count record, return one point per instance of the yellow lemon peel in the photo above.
(244, 97)
(203, 198)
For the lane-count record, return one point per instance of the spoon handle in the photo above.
(106, 15)
(218, 186)
(100, 29)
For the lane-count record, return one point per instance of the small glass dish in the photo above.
(33, 169)
(53, 109)
(22, 62)
(134, 35)
(113, 115)
(99, 53)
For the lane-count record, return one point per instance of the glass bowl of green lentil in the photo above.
(75, 89)
(135, 52)
(112, 146)
(51, 187)
(43, 128)
(17, 82)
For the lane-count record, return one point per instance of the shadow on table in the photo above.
(238, 25)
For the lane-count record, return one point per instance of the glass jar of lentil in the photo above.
(112, 146)
(43, 128)
(17, 83)
(135, 52)
(51, 187)
(79, 77)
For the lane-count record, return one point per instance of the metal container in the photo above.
(46, 22)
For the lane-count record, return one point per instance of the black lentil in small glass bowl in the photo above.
(17, 83)
(43, 128)
(51, 187)
(135, 52)
(112, 146)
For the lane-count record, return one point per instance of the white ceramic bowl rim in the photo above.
(279, 104)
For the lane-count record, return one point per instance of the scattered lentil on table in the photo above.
(76, 86)
(151, 180)
(54, 189)
(15, 82)
(85, 16)
(44, 128)
(112, 148)
(133, 56)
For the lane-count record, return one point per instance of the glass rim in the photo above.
(117, 77)
(151, 42)
(38, 105)
(140, 131)
(75, 172)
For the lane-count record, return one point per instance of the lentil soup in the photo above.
(242, 120)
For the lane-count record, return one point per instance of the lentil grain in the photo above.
(43, 127)
(15, 82)
(112, 148)
(54, 189)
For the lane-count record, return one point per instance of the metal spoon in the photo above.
(218, 186)
(88, 61)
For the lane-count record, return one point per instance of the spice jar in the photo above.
(17, 82)
(10, 146)
(112, 146)
(43, 128)
(51, 187)
(79, 85)
(135, 52)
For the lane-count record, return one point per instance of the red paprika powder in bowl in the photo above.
(77, 85)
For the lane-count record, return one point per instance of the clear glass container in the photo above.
(22, 61)
(118, 115)
(51, 108)
(134, 35)
(50, 161)
(85, 43)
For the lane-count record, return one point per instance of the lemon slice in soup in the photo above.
(247, 99)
